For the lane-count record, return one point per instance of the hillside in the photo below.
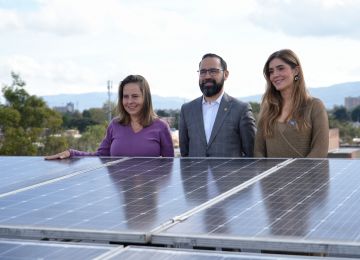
(332, 95)
(97, 99)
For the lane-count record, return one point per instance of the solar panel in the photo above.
(148, 253)
(124, 201)
(22, 172)
(21, 249)
(296, 205)
(305, 206)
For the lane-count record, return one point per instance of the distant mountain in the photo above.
(97, 99)
(331, 96)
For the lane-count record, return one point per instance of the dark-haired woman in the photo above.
(137, 131)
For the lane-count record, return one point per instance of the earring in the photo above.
(296, 78)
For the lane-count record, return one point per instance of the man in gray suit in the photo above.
(216, 124)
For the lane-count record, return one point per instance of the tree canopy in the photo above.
(24, 120)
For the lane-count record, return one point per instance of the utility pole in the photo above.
(109, 86)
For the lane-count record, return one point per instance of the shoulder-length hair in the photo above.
(147, 114)
(272, 102)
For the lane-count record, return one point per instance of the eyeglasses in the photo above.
(212, 72)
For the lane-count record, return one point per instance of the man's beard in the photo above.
(210, 91)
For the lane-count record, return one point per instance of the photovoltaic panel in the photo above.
(23, 171)
(22, 249)
(306, 206)
(123, 201)
(148, 253)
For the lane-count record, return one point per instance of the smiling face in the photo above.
(211, 77)
(282, 75)
(133, 99)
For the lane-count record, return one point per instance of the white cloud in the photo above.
(52, 77)
(9, 20)
(62, 17)
(310, 17)
(76, 46)
(67, 17)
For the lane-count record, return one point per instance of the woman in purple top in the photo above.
(137, 131)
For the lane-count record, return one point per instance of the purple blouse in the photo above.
(120, 140)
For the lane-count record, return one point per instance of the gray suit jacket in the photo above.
(232, 134)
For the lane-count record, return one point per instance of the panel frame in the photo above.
(330, 248)
(23, 232)
(146, 253)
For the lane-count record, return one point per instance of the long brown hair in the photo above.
(272, 102)
(147, 114)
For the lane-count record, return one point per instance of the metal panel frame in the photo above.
(73, 234)
(336, 248)
(146, 253)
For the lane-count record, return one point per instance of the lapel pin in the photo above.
(225, 109)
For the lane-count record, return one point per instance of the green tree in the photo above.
(174, 113)
(176, 121)
(24, 120)
(91, 138)
(255, 109)
(69, 119)
(83, 120)
(340, 113)
(355, 114)
(162, 113)
(54, 144)
(82, 123)
(346, 130)
(9, 117)
(17, 142)
(97, 115)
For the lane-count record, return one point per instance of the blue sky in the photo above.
(75, 46)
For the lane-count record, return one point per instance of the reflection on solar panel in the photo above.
(17, 249)
(300, 205)
(308, 205)
(131, 197)
(21, 172)
(143, 253)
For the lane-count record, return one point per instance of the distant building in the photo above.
(334, 139)
(337, 151)
(69, 108)
(352, 102)
(72, 132)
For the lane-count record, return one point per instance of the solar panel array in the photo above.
(298, 205)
